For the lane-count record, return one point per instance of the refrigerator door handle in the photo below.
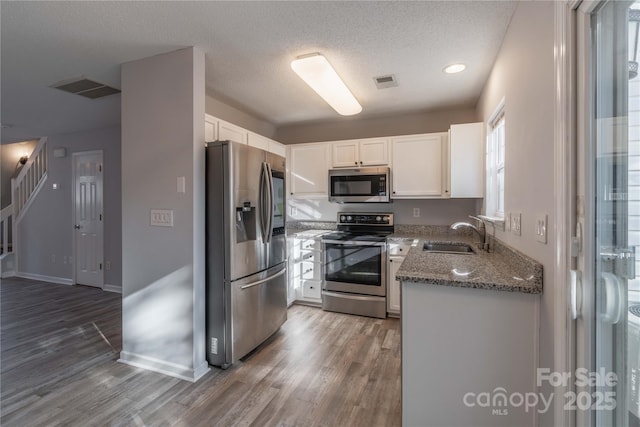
(266, 279)
(264, 188)
(270, 204)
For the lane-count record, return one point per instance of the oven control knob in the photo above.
(349, 218)
(378, 218)
(342, 218)
(386, 219)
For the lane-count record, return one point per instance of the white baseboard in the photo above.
(163, 367)
(112, 288)
(7, 274)
(43, 278)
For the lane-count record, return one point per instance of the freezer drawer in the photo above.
(258, 309)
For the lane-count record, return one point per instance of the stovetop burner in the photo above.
(362, 227)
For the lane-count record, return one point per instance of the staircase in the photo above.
(24, 188)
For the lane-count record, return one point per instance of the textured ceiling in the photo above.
(248, 47)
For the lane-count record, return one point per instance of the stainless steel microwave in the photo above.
(363, 185)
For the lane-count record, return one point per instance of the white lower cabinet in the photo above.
(393, 288)
(305, 263)
(397, 249)
(464, 348)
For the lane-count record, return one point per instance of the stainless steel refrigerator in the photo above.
(246, 249)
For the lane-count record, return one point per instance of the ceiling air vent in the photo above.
(85, 87)
(383, 82)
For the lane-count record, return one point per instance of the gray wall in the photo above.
(352, 128)
(163, 104)
(9, 156)
(523, 75)
(46, 231)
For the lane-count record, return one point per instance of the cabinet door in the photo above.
(466, 149)
(345, 154)
(210, 128)
(393, 286)
(231, 132)
(277, 148)
(374, 152)
(308, 170)
(258, 141)
(418, 166)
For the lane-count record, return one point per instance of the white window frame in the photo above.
(495, 155)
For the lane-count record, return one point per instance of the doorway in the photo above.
(88, 233)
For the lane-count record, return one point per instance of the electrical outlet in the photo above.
(541, 228)
(416, 212)
(107, 265)
(162, 217)
(516, 224)
(507, 222)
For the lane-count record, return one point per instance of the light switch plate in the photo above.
(516, 224)
(161, 218)
(541, 228)
(182, 184)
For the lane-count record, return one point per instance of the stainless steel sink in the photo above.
(449, 248)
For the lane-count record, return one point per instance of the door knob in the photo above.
(77, 226)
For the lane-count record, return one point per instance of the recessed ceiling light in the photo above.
(316, 71)
(454, 68)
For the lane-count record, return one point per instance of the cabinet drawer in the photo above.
(311, 289)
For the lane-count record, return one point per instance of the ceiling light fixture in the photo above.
(316, 71)
(454, 68)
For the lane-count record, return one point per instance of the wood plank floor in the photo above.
(59, 345)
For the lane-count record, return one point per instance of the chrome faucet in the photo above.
(482, 231)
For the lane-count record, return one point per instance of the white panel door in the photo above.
(88, 225)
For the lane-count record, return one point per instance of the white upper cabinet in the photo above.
(230, 132)
(419, 166)
(466, 147)
(357, 153)
(308, 165)
(345, 154)
(218, 130)
(258, 141)
(210, 128)
(277, 148)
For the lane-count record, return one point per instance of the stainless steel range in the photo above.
(355, 259)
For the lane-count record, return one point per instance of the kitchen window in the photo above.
(495, 163)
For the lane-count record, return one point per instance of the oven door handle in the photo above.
(352, 243)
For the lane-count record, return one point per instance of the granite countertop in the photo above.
(504, 269)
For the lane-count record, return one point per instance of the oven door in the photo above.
(355, 267)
